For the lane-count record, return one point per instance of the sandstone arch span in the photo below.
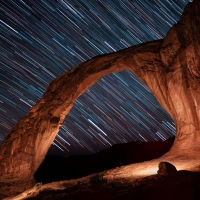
(169, 67)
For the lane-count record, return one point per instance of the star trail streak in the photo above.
(41, 39)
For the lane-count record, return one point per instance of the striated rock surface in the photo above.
(169, 67)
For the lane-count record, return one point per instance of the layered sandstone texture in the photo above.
(170, 68)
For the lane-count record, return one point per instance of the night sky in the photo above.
(42, 39)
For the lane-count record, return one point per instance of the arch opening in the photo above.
(119, 108)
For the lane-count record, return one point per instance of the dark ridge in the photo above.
(57, 168)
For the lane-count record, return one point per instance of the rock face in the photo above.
(166, 169)
(169, 67)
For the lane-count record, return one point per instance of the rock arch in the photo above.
(169, 67)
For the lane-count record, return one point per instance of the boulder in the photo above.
(166, 169)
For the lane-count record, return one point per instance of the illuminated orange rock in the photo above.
(169, 67)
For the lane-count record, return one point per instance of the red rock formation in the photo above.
(169, 67)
